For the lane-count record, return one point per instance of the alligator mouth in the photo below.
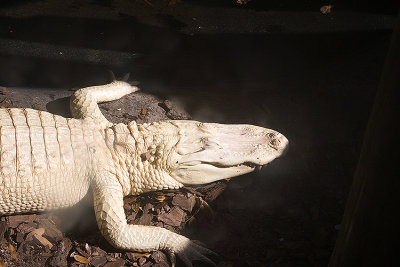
(254, 166)
(246, 164)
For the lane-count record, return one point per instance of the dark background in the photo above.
(278, 64)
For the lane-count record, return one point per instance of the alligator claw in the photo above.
(193, 252)
(171, 256)
(126, 77)
(112, 75)
(189, 251)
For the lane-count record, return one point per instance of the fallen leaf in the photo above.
(160, 198)
(82, 252)
(13, 252)
(87, 248)
(141, 255)
(326, 9)
(81, 259)
(143, 111)
(2, 264)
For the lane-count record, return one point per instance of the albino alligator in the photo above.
(49, 162)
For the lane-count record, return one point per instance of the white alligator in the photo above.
(50, 162)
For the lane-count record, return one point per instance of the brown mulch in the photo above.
(39, 239)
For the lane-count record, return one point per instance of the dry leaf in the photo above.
(160, 198)
(12, 251)
(81, 259)
(87, 248)
(326, 9)
(143, 111)
(2, 264)
(138, 256)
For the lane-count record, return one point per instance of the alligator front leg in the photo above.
(110, 216)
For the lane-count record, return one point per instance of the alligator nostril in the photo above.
(276, 142)
(272, 135)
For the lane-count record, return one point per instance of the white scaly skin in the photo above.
(50, 162)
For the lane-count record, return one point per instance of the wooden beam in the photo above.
(370, 234)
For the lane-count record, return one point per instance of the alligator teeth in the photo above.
(258, 168)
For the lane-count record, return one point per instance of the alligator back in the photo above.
(44, 160)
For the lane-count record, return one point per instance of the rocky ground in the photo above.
(39, 239)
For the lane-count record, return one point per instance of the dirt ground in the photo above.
(282, 65)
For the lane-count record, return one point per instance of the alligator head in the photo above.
(207, 152)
